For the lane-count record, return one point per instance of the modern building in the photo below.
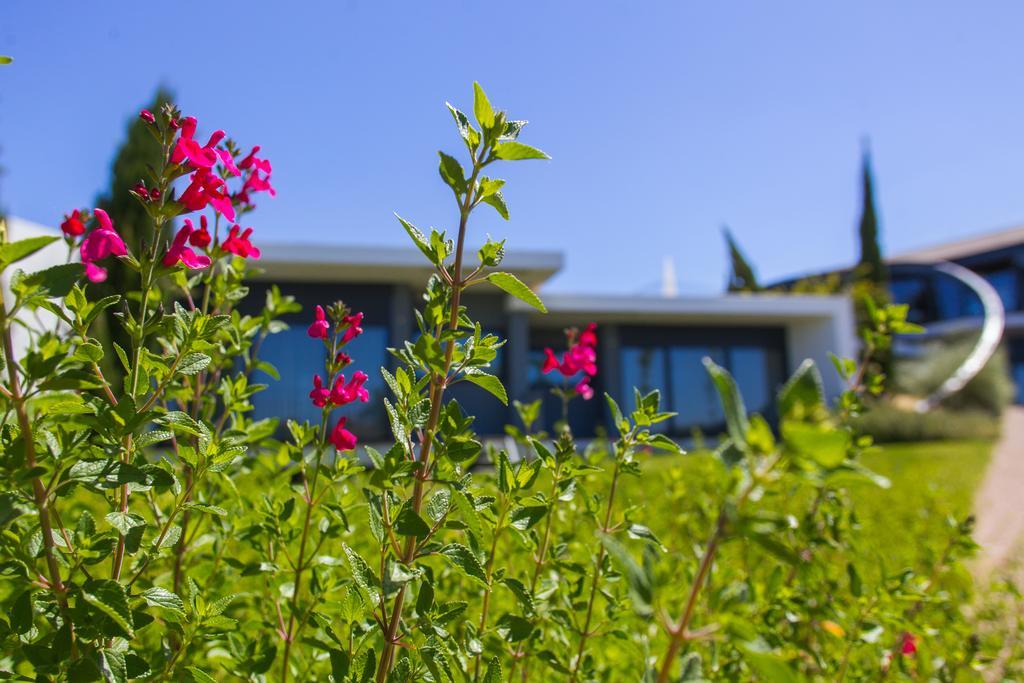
(650, 342)
(944, 304)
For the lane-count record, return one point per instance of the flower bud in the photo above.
(147, 116)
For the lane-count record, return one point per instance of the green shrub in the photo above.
(886, 423)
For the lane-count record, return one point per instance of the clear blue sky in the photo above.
(665, 119)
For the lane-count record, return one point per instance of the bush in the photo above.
(990, 391)
(885, 423)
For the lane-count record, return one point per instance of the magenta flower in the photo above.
(201, 237)
(342, 439)
(73, 225)
(256, 184)
(239, 244)
(229, 163)
(354, 323)
(179, 252)
(320, 394)
(147, 116)
(584, 389)
(206, 188)
(320, 327)
(187, 148)
(343, 394)
(252, 161)
(98, 244)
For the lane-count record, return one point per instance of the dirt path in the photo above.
(999, 503)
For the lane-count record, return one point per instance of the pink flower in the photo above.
(180, 252)
(343, 359)
(228, 161)
(206, 188)
(320, 327)
(200, 238)
(100, 243)
(187, 148)
(73, 225)
(909, 644)
(584, 389)
(147, 116)
(589, 336)
(252, 161)
(256, 184)
(342, 439)
(239, 244)
(320, 394)
(550, 361)
(354, 323)
(343, 394)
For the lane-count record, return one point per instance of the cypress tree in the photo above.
(137, 154)
(742, 277)
(871, 267)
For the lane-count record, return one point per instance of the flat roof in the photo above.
(726, 309)
(309, 262)
(968, 246)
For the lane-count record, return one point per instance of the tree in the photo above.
(871, 267)
(137, 154)
(742, 278)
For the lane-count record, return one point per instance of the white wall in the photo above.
(815, 338)
(52, 255)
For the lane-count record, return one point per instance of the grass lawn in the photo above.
(931, 481)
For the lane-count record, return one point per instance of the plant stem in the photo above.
(38, 490)
(598, 568)
(489, 572)
(437, 386)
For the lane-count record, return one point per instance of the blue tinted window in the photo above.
(750, 366)
(694, 397)
(297, 358)
(1005, 282)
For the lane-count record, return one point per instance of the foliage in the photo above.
(990, 391)
(887, 423)
(741, 276)
(152, 528)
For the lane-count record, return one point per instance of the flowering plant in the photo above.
(152, 528)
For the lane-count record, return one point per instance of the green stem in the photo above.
(489, 572)
(598, 567)
(437, 387)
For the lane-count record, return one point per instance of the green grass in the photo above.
(931, 482)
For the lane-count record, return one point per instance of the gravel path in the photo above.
(999, 504)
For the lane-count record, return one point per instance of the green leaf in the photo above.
(521, 592)
(732, 403)
(161, 597)
(193, 363)
(641, 588)
(409, 523)
(497, 200)
(510, 284)
(490, 383)
(109, 598)
(824, 444)
(211, 509)
(515, 151)
(419, 239)
(6, 59)
(57, 281)
(803, 394)
(464, 559)
(482, 107)
(769, 667)
(452, 173)
(12, 252)
(124, 521)
(200, 676)
(361, 572)
(493, 674)
(523, 518)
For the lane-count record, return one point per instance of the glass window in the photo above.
(644, 369)
(750, 367)
(1005, 282)
(297, 358)
(694, 396)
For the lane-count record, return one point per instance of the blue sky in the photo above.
(665, 120)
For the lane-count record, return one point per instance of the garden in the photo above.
(154, 529)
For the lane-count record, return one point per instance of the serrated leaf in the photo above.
(109, 598)
(482, 107)
(12, 252)
(409, 523)
(516, 151)
(193, 363)
(490, 383)
(464, 560)
(161, 597)
(510, 284)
